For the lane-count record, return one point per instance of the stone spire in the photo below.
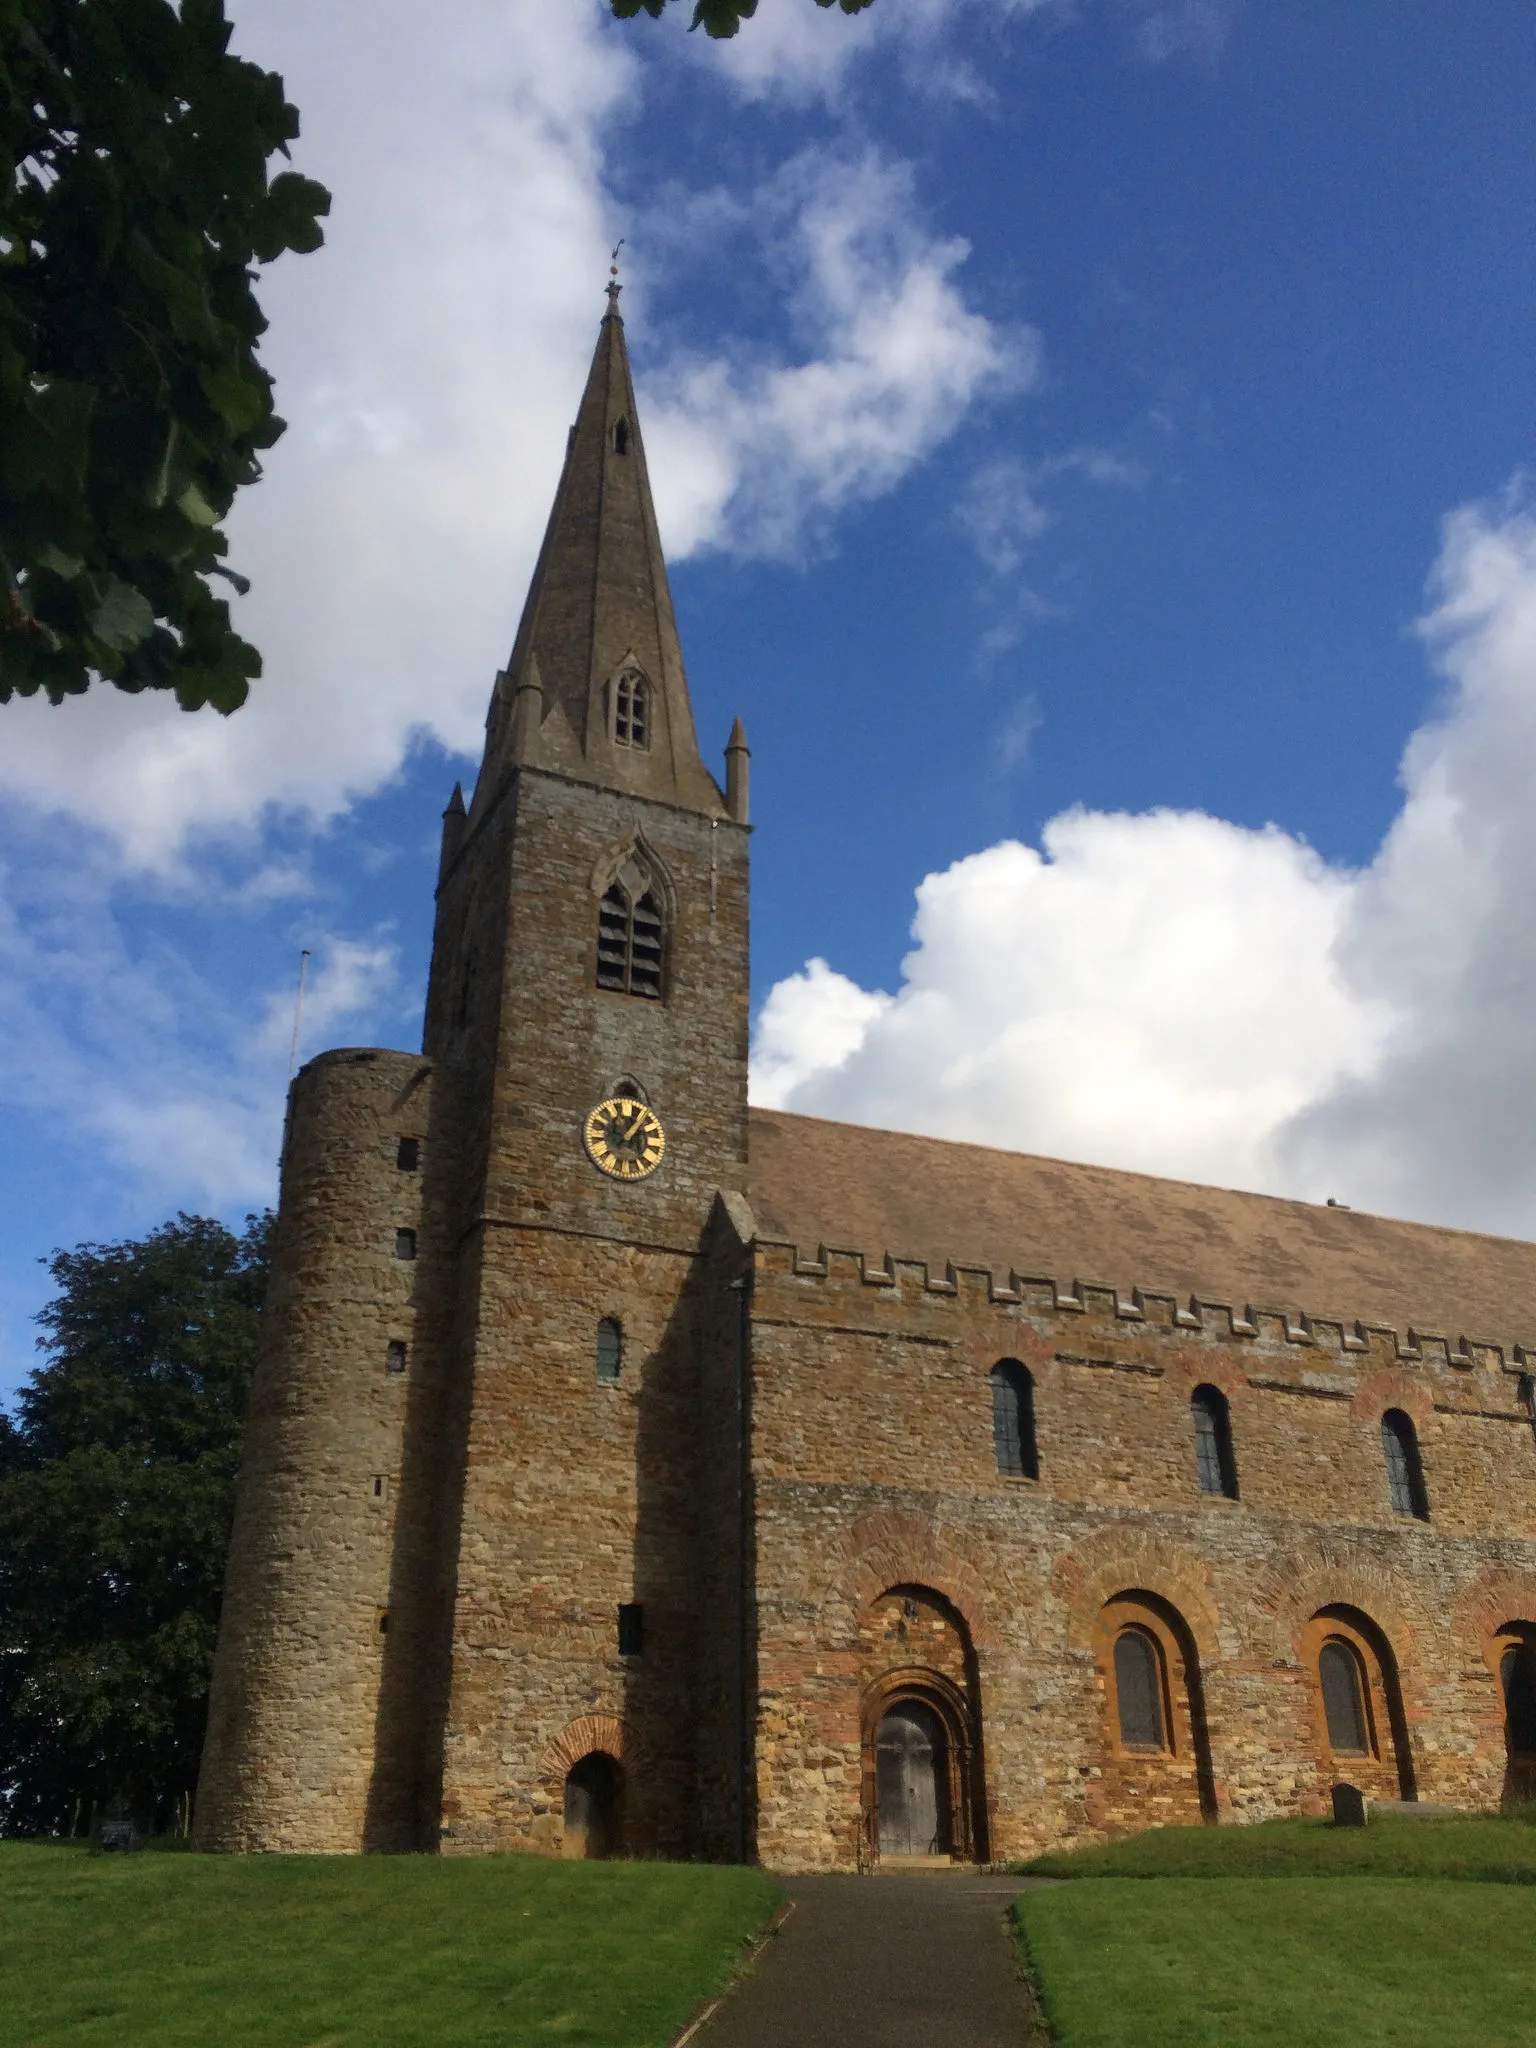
(598, 619)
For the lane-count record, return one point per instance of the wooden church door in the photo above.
(910, 1781)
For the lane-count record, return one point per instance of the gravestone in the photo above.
(1348, 1806)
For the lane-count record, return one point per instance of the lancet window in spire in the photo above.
(632, 710)
(631, 935)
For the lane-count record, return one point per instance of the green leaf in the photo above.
(122, 616)
(235, 397)
(197, 507)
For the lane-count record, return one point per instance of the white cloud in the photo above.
(1177, 994)
(1155, 992)
(751, 456)
(428, 360)
(1004, 508)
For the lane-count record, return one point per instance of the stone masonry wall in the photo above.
(304, 1636)
(873, 1467)
(576, 1496)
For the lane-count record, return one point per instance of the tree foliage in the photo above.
(719, 17)
(135, 205)
(116, 1490)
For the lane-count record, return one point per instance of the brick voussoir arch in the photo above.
(1494, 1597)
(1179, 1580)
(580, 1737)
(1215, 1367)
(1393, 1387)
(885, 1550)
(1290, 1602)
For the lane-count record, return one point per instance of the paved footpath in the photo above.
(924, 1961)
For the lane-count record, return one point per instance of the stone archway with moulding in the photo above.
(1188, 1369)
(1393, 1387)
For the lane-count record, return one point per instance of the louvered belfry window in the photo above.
(1139, 1690)
(1338, 1668)
(632, 710)
(1013, 1420)
(631, 935)
(1405, 1473)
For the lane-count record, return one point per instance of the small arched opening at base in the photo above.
(594, 1795)
(1515, 1655)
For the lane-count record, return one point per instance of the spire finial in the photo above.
(614, 287)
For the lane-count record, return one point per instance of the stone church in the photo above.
(633, 1472)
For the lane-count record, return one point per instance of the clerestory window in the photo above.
(1013, 1420)
(632, 710)
(1405, 1471)
(1214, 1462)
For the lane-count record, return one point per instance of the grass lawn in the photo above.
(1295, 1934)
(338, 1952)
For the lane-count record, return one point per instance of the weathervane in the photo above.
(614, 287)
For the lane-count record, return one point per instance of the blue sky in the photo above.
(1091, 442)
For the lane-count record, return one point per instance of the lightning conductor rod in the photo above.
(298, 1012)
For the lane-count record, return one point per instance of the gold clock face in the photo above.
(624, 1138)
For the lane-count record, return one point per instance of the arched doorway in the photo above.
(923, 1782)
(593, 1793)
(913, 1815)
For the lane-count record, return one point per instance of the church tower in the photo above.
(471, 1541)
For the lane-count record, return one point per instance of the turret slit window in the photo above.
(631, 1629)
(1013, 1420)
(610, 1350)
(405, 1244)
(1528, 1398)
(1517, 1676)
(1139, 1690)
(1405, 1471)
(408, 1155)
(1214, 1462)
(1340, 1674)
(631, 935)
(632, 710)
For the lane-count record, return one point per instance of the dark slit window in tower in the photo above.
(1405, 1472)
(378, 1487)
(1214, 1461)
(629, 942)
(1338, 1669)
(1528, 1398)
(610, 1350)
(394, 1356)
(1517, 1675)
(1139, 1689)
(621, 437)
(405, 1244)
(631, 1629)
(1013, 1420)
(632, 710)
(408, 1157)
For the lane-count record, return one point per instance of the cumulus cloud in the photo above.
(428, 360)
(1182, 995)
(1006, 505)
(752, 456)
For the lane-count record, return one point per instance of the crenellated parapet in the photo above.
(1222, 1322)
